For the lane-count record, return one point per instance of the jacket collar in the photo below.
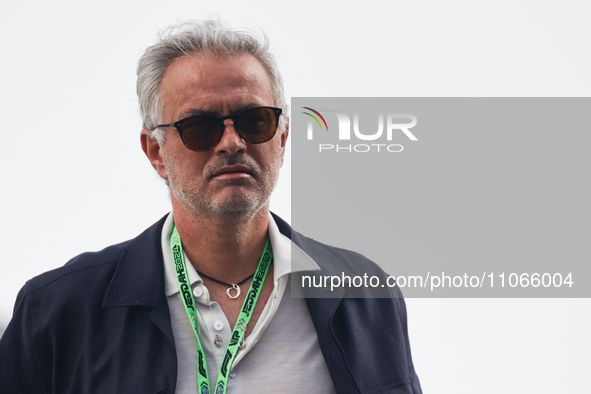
(139, 277)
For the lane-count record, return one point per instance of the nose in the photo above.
(231, 141)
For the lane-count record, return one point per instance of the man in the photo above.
(201, 301)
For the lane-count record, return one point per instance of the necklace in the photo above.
(231, 286)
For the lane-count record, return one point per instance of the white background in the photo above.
(75, 178)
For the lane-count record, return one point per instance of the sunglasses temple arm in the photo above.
(165, 125)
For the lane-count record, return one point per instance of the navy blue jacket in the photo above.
(101, 324)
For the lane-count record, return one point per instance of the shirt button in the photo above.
(198, 291)
(232, 374)
(218, 325)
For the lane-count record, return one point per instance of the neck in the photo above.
(226, 247)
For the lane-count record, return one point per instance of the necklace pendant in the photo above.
(242, 345)
(234, 287)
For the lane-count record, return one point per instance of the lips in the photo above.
(235, 171)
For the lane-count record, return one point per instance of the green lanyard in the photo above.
(243, 318)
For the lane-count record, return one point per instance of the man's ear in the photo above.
(153, 151)
(284, 140)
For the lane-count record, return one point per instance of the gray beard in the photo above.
(239, 210)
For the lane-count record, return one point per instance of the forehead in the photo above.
(206, 83)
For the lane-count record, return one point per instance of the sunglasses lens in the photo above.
(201, 132)
(257, 125)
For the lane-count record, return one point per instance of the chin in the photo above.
(229, 206)
(241, 206)
(230, 201)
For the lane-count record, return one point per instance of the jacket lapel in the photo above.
(139, 279)
(321, 311)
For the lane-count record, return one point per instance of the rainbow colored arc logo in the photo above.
(315, 118)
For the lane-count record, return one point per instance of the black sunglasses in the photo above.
(203, 132)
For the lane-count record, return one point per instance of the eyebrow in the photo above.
(195, 112)
(198, 111)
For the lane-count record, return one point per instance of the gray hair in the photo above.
(194, 37)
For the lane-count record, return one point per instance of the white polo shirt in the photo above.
(282, 353)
